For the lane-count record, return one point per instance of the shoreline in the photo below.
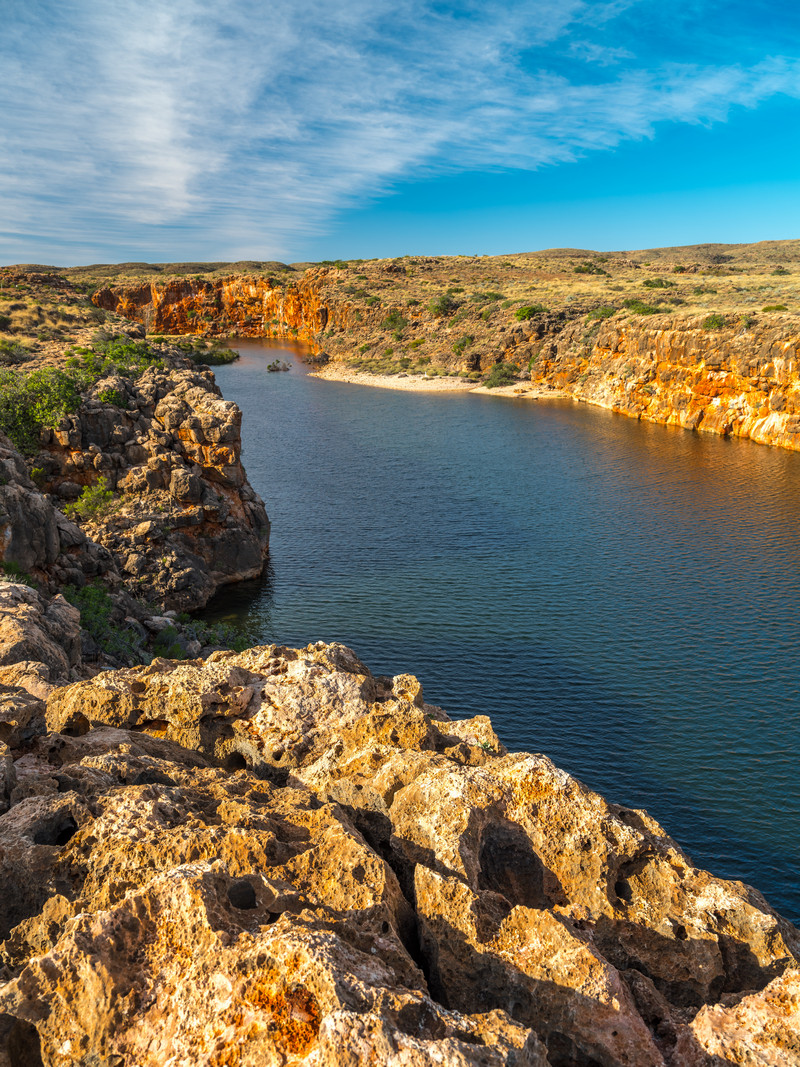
(418, 383)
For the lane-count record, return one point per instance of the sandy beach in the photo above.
(410, 382)
(420, 384)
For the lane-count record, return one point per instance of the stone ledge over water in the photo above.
(273, 857)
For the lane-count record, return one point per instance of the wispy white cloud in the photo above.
(197, 129)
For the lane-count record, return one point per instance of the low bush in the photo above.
(598, 314)
(658, 283)
(462, 344)
(528, 311)
(501, 374)
(640, 308)
(487, 297)
(442, 306)
(589, 268)
(95, 502)
(395, 320)
(714, 322)
(30, 403)
(97, 617)
(775, 307)
(12, 572)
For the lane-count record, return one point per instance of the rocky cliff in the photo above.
(180, 520)
(729, 373)
(276, 858)
(241, 306)
(742, 381)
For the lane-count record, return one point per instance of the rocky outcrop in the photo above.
(737, 377)
(242, 306)
(740, 380)
(185, 520)
(275, 857)
(35, 537)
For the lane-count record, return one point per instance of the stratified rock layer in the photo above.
(275, 857)
(740, 377)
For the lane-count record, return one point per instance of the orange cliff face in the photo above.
(742, 380)
(242, 306)
(736, 381)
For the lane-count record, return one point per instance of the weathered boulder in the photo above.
(157, 910)
(34, 630)
(558, 924)
(184, 519)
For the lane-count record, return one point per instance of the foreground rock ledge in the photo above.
(274, 857)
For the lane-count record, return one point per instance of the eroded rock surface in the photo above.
(275, 857)
(186, 520)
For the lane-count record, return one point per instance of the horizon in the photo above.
(312, 132)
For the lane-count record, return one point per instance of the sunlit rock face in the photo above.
(241, 306)
(741, 380)
(276, 857)
(186, 520)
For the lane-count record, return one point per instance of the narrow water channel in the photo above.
(618, 595)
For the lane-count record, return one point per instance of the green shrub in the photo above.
(221, 634)
(395, 320)
(168, 644)
(5, 322)
(714, 322)
(780, 270)
(30, 403)
(462, 344)
(95, 502)
(442, 306)
(589, 268)
(112, 396)
(12, 352)
(528, 311)
(487, 297)
(775, 307)
(501, 374)
(657, 283)
(640, 308)
(418, 343)
(12, 572)
(97, 610)
(601, 313)
(372, 301)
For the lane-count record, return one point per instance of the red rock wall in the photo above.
(743, 382)
(739, 380)
(241, 306)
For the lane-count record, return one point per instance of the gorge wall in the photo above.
(739, 378)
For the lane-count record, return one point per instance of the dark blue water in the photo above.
(618, 595)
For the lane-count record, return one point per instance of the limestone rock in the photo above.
(185, 520)
(431, 897)
(36, 631)
(158, 910)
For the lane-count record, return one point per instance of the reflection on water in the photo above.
(616, 594)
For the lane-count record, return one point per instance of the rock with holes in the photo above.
(156, 909)
(759, 1028)
(445, 901)
(41, 634)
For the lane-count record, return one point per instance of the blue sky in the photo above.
(309, 129)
